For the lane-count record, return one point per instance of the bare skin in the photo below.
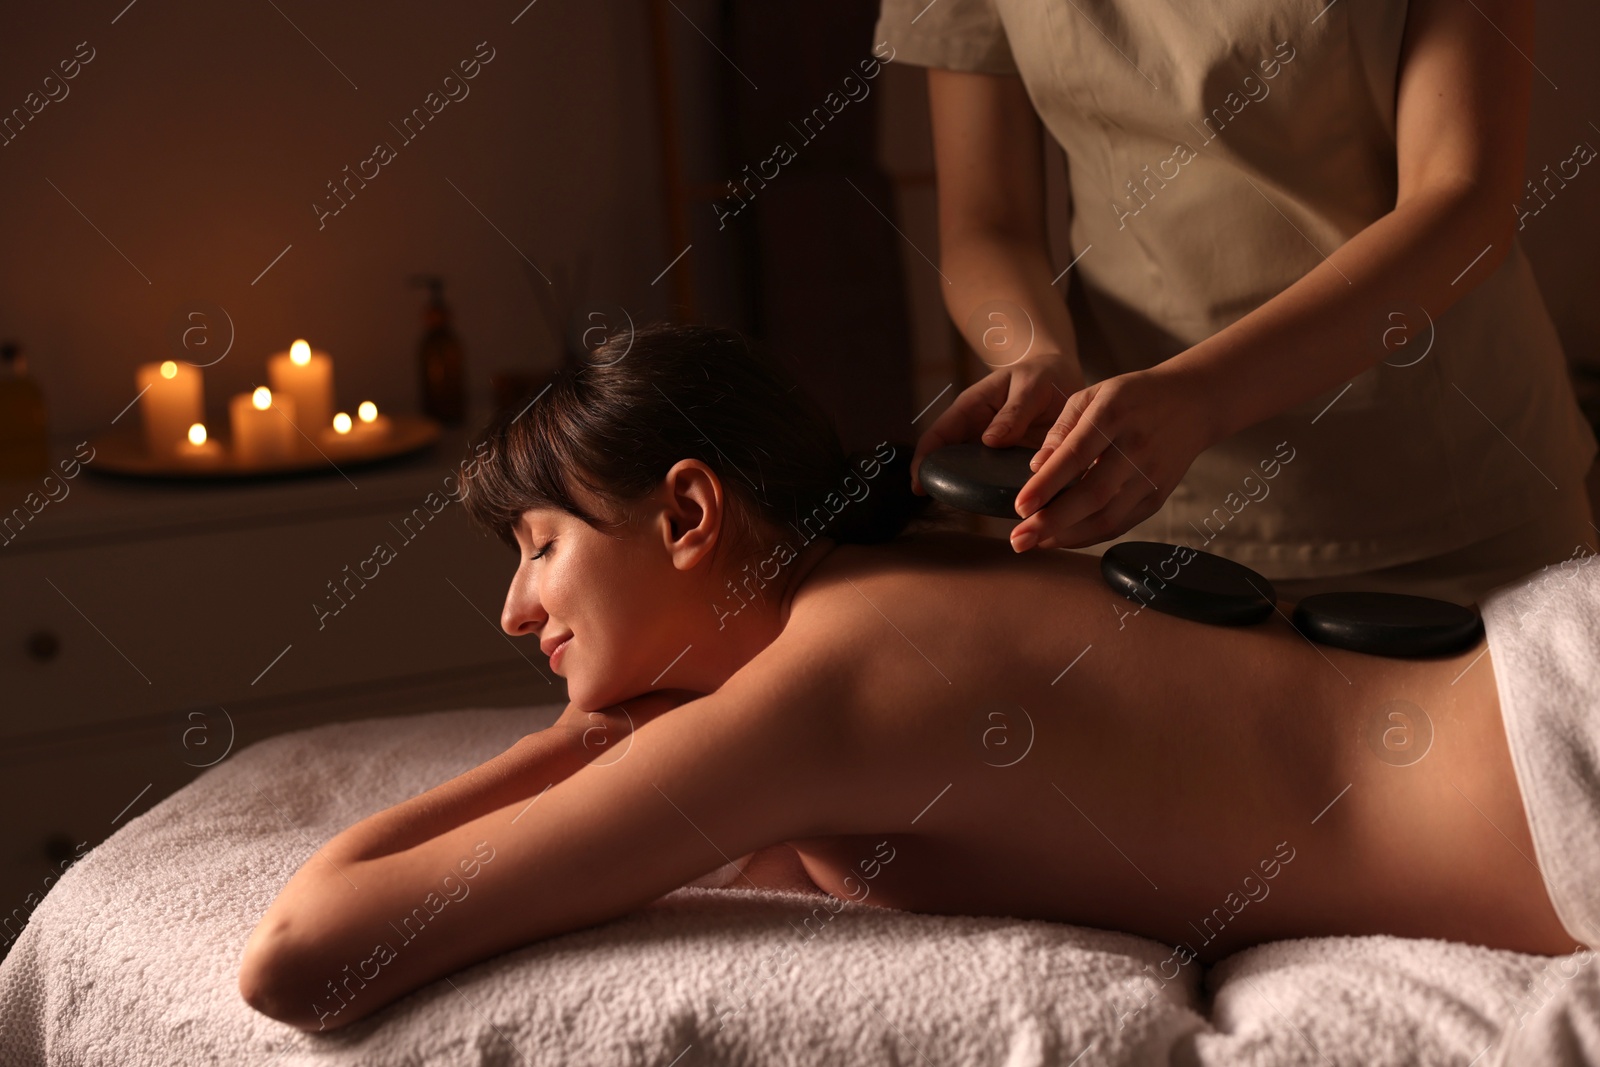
(1165, 764)
(1204, 786)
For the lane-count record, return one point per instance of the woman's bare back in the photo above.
(938, 725)
(1032, 744)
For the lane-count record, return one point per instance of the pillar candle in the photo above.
(263, 427)
(306, 377)
(170, 402)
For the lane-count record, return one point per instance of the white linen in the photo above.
(1544, 637)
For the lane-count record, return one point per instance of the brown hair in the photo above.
(615, 420)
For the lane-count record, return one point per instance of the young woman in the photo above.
(772, 649)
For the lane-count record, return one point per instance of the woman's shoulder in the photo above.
(835, 612)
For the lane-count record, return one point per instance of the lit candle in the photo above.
(169, 402)
(263, 427)
(367, 428)
(369, 423)
(339, 435)
(198, 449)
(306, 377)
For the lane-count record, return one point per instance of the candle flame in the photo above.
(300, 353)
(368, 411)
(341, 423)
(169, 369)
(197, 434)
(261, 399)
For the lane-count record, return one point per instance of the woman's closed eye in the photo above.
(543, 549)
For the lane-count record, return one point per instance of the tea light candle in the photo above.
(368, 427)
(263, 426)
(306, 377)
(338, 435)
(369, 423)
(197, 449)
(169, 403)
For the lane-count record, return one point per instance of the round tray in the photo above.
(125, 454)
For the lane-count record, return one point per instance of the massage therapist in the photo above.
(1293, 234)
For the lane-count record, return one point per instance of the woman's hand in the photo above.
(1135, 435)
(1011, 405)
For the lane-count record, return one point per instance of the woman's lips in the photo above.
(557, 652)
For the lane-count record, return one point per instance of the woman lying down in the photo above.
(779, 667)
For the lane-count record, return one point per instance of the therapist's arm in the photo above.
(995, 261)
(1461, 123)
(1461, 128)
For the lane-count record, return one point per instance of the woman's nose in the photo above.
(522, 612)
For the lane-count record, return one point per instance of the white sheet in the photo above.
(1545, 638)
(132, 960)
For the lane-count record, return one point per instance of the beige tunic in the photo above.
(1217, 151)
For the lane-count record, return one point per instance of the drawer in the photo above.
(111, 632)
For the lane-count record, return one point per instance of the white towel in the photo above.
(1544, 635)
(1544, 638)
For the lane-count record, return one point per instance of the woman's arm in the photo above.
(528, 767)
(726, 775)
(995, 258)
(1461, 129)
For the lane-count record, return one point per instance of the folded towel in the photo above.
(1544, 637)
(1544, 634)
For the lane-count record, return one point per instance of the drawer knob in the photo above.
(43, 645)
(58, 848)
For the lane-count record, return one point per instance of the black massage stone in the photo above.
(1188, 583)
(1388, 624)
(977, 478)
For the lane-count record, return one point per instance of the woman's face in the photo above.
(607, 595)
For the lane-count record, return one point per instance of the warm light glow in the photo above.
(261, 399)
(299, 353)
(169, 369)
(368, 411)
(341, 423)
(197, 434)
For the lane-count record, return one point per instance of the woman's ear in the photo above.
(694, 508)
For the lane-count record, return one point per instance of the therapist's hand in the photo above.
(1011, 405)
(1140, 432)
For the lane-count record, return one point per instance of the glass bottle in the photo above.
(24, 433)
(443, 364)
